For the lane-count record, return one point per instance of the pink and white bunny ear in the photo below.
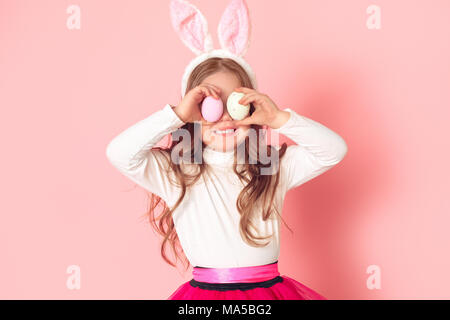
(191, 26)
(234, 28)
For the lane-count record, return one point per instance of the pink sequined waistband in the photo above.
(238, 274)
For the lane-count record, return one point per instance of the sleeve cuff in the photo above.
(172, 117)
(287, 123)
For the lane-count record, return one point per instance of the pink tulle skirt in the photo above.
(262, 282)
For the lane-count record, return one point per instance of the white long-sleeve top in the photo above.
(207, 220)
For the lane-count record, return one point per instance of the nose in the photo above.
(225, 116)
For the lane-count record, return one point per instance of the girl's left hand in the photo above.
(266, 112)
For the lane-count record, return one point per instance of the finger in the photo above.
(244, 122)
(210, 92)
(214, 89)
(214, 93)
(248, 98)
(244, 90)
(211, 85)
(204, 91)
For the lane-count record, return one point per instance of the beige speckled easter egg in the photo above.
(236, 110)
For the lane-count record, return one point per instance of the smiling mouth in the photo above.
(225, 132)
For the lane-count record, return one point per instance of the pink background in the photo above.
(66, 93)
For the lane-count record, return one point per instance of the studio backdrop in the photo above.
(73, 74)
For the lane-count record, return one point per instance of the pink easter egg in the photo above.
(212, 109)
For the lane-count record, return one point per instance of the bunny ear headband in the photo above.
(233, 31)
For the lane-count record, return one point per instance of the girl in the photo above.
(223, 210)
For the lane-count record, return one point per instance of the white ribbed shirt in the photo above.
(207, 220)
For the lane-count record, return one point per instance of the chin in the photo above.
(225, 140)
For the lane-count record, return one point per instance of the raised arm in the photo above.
(131, 152)
(317, 149)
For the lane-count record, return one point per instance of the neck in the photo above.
(216, 157)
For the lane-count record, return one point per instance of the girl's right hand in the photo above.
(189, 108)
